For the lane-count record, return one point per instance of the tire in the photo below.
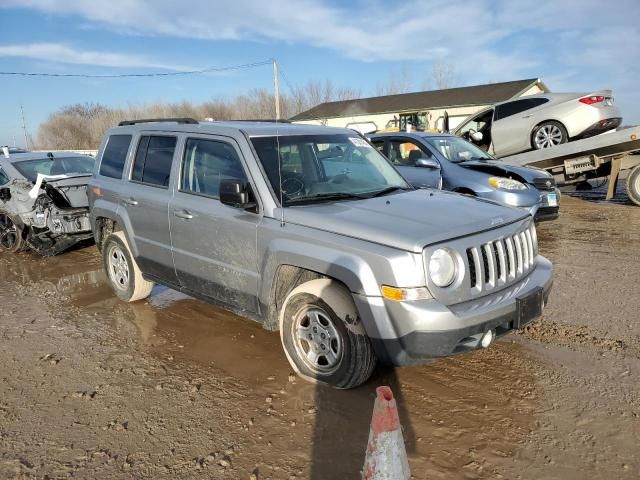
(11, 235)
(343, 357)
(633, 185)
(548, 134)
(123, 273)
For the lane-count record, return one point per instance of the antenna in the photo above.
(276, 90)
(24, 128)
(276, 96)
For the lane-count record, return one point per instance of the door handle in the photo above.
(130, 201)
(527, 116)
(184, 214)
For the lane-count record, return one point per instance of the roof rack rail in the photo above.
(157, 120)
(266, 120)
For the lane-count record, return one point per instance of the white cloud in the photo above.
(57, 52)
(580, 41)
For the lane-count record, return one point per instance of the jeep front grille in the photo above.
(501, 262)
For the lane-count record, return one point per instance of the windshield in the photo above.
(317, 168)
(81, 165)
(456, 149)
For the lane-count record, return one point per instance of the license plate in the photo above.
(552, 199)
(529, 308)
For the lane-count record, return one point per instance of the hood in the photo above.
(502, 169)
(68, 192)
(408, 221)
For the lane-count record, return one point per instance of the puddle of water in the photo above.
(458, 414)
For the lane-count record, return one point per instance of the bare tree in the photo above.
(444, 75)
(397, 82)
(82, 125)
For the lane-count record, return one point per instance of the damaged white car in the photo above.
(43, 201)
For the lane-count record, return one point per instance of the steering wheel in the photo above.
(292, 186)
(467, 135)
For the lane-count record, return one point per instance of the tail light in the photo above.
(592, 99)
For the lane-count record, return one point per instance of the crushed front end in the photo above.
(52, 215)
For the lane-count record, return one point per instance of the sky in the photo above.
(572, 45)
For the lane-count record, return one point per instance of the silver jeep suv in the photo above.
(311, 231)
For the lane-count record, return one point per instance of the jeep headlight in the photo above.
(502, 183)
(442, 267)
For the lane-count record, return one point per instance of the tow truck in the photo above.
(603, 156)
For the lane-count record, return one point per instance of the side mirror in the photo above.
(476, 136)
(427, 163)
(235, 193)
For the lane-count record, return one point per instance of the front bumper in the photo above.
(544, 210)
(410, 333)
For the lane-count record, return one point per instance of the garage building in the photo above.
(425, 110)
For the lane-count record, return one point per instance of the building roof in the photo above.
(450, 97)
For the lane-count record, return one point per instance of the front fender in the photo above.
(346, 267)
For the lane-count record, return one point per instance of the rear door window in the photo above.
(115, 156)
(154, 156)
(512, 108)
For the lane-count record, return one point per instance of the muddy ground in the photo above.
(174, 388)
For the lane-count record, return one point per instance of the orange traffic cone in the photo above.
(386, 457)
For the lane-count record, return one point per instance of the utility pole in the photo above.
(276, 92)
(24, 129)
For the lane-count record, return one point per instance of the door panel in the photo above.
(146, 201)
(214, 245)
(404, 153)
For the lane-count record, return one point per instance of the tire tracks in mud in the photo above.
(578, 337)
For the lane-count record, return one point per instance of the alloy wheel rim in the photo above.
(8, 232)
(118, 268)
(548, 136)
(316, 340)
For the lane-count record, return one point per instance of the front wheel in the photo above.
(10, 234)
(548, 134)
(633, 185)
(323, 337)
(123, 272)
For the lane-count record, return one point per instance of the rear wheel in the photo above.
(633, 185)
(548, 134)
(10, 234)
(123, 272)
(323, 337)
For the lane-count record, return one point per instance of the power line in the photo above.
(152, 74)
(286, 80)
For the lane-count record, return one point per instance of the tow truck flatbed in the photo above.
(610, 144)
(595, 157)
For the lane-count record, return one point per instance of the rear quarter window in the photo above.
(512, 108)
(115, 156)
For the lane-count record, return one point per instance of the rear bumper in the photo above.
(410, 333)
(600, 126)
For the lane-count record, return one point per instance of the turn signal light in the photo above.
(592, 99)
(404, 294)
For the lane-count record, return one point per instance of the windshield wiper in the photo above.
(388, 190)
(325, 197)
